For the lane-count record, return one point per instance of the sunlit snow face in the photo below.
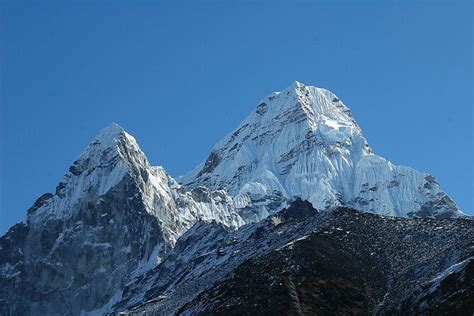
(335, 132)
(304, 142)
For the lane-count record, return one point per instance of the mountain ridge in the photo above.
(118, 231)
(112, 218)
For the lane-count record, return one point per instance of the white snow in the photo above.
(111, 156)
(304, 142)
(106, 308)
(455, 268)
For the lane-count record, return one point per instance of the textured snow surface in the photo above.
(104, 170)
(304, 142)
(113, 155)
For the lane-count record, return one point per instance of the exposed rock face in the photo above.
(75, 263)
(113, 217)
(305, 142)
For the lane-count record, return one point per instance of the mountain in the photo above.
(111, 218)
(304, 142)
(269, 223)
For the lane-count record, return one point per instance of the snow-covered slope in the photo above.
(304, 142)
(114, 155)
(112, 218)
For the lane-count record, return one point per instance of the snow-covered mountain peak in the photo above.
(113, 160)
(112, 138)
(313, 109)
(304, 142)
(104, 163)
(109, 135)
(110, 130)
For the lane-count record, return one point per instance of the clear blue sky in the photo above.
(181, 76)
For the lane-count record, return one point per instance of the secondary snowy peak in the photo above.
(87, 239)
(304, 142)
(102, 165)
(110, 134)
(114, 157)
(112, 218)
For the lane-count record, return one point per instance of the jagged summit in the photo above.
(327, 103)
(111, 129)
(295, 85)
(304, 142)
(110, 134)
(102, 165)
(110, 137)
(114, 158)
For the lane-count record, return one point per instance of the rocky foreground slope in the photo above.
(118, 235)
(301, 261)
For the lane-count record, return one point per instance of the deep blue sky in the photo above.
(181, 76)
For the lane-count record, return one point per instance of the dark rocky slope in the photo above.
(356, 264)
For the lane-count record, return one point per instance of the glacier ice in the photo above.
(304, 142)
